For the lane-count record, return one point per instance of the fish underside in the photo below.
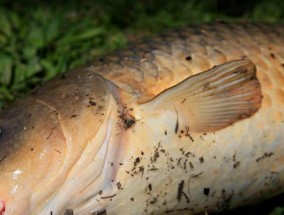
(186, 122)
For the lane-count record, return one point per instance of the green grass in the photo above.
(277, 211)
(39, 40)
(36, 47)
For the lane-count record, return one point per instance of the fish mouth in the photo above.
(2, 207)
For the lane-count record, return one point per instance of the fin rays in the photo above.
(216, 98)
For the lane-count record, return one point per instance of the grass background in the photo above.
(39, 39)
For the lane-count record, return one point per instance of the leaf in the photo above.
(5, 23)
(6, 64)
(36, 36)
(277, 211)
(62, 64)
(87, 34)
(3, 39)
(6, 94)
(52, 30)
(29, 52)
(49, 68)
(19, 74)
(15, 20)
(32, 68)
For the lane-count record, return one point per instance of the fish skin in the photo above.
(149, 167)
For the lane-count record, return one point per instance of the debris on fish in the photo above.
(187, 122)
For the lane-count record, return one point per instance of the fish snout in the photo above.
(2, 207)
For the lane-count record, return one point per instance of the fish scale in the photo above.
(205, 46)
(186, 122)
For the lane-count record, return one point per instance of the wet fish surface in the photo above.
(187, 122)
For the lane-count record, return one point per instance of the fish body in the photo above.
(187, 122)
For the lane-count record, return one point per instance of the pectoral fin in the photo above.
(216, 98)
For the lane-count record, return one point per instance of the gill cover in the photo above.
(42, 137)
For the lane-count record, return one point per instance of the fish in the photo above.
(188, 121)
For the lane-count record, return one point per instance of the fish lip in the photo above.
(2, 207)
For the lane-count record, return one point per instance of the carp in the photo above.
(186, 122)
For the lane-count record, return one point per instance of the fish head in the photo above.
(28, 158)
(47, 142)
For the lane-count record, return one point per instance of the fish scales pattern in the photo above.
(150, 66)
